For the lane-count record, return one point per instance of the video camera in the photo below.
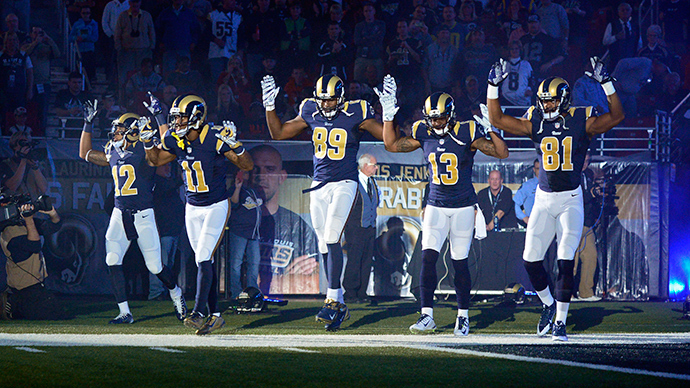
(10, 204)
(34, 153)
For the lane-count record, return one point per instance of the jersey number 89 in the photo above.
(332, 143)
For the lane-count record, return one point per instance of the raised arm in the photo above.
(238, 155)
(498, 73)
(86, 150)
(388, 101)
(495, 147)
(603, 123)
(278, 130)
(374, 127)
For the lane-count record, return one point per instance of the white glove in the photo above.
(598, 72)
(229, 135)
(484, 120)
(90, 111)
(155, 106)
(498, 72)
(388, 98)
(269, 92)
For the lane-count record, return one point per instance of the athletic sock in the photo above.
(545, 296)
(562, 311)
(464, 313)
(124, 308)
(332, 293)
(428, 311)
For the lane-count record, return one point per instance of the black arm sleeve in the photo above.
(46, 227)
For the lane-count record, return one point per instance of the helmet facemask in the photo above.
(437, 106)
(554, 90)
(329, 88)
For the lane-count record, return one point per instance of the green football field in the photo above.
(611, 344)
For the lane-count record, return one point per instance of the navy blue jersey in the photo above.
(562, 145)
(336, 141)
(132, 176)
(203, 164)
(449, 161)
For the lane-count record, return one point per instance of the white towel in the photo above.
(479, 224)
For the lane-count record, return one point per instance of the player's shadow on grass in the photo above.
(502, 312)
(588, 317)
(283, 316)
(379, 313)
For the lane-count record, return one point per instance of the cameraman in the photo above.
(26, 269)
(21, 172)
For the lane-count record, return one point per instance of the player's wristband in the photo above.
(148, 144)
(86, 157)
(492, 92)
(160, 119)
(239, 150)
(608, 88)
(88, 128)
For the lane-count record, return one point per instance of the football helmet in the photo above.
(250, 300)
(439, 105)
(187, 106)
(554, 89)
(123, 125)
(329, 87)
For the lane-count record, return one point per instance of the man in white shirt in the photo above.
(111, 12)
(224, 24)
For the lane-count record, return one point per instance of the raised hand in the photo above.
(155, 106)
(269, 92)
(484, 119)
(229, 135)
(498, 72)
(388, 98)
(598, 72)
(90, 111)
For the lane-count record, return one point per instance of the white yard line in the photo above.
(166, 350)
(299, 350)
(30, 350)
(537, 360)
(328, 340)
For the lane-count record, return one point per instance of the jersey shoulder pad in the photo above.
(529, 113)
(359, 108)
(307, 108)
(419, 129)
(469, 127)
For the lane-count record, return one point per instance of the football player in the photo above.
(337, 127)
(561, 136)
(449, 148)
(132, 217)
(202, 151)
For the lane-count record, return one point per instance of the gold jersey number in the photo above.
(195, 171)
(557, 154)
(124, 171)
(331, 143)
(450, 162)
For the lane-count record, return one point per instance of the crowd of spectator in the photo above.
(220, 50)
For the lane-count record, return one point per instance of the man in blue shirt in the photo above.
(524, 196)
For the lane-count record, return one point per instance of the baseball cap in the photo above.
(533, 18)
(20, 111)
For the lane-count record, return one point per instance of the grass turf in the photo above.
(156, 317)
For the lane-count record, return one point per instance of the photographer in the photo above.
(21, 173)
(26, 268)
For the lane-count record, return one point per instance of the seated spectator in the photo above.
(70, 101)
(654, 48)
(108, 111)
(140, 83)
(496, 203)
(236, 77)
(185, 79)
(20, 123)
(298, 82)
(228, 109)
(85, 33)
